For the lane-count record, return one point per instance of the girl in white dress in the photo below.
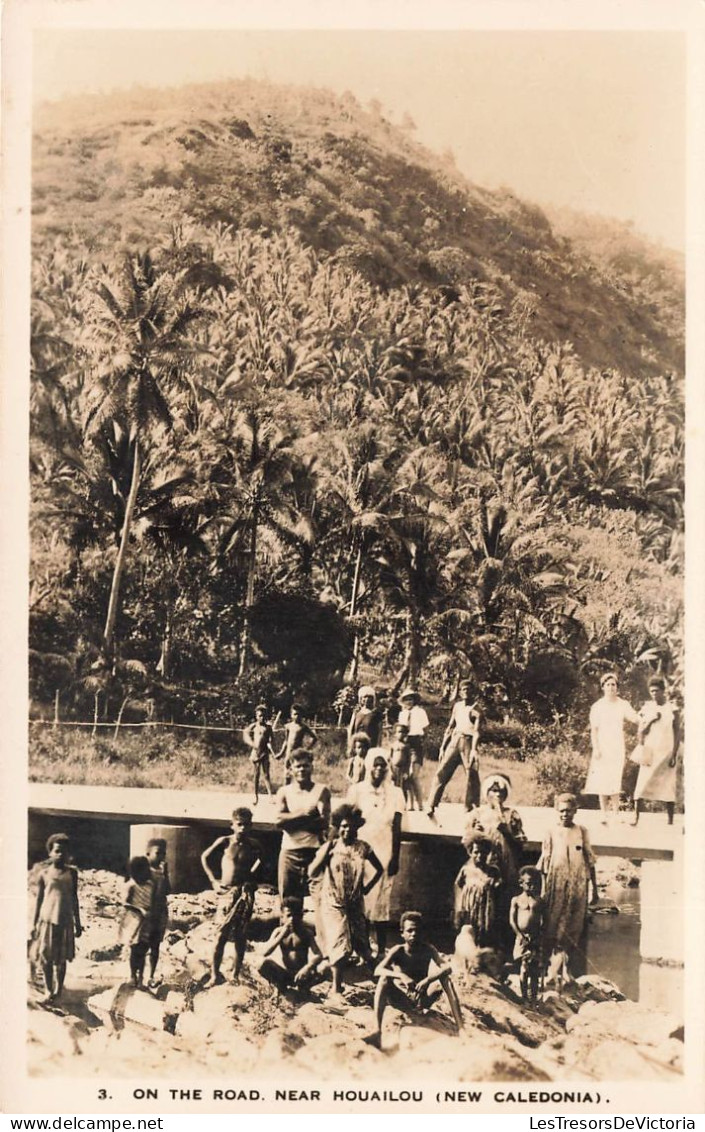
(659, 735)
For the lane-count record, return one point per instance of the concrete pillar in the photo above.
(662, 925)
(184, 845)
(662, 929)
(424, 883)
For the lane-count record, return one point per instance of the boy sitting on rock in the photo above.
(301, 956)
(408, 972)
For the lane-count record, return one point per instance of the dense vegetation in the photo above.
(304, 399)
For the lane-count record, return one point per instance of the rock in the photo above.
(56, 1033)
(175, 1002)
(670, 1053)
(196, 967)
(279, 1045)
(108, 952)
(625, 1020)
(556, 1007)
(130, 1004)
(329, 1054)
(595, 989)
(613, 1059)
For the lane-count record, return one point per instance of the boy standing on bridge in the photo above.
(296, 734)
(236, 890)
(259, 736)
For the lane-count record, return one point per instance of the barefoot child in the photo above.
(407, 973)
(526, 914)
(400, 759)
(259, 736)
(359, 746)
(137, 924)
(296, 734)
(235, 889)
(57, 918)
(159, 870)
(300, 954)
(417, 723)
(475, 892)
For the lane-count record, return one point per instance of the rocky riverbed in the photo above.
(248, 1030)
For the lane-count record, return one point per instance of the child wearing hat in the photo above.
(415, 719)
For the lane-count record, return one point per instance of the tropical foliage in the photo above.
(266, 444)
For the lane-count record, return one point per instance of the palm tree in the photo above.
(254, 471)
(358, 482)
(414, 541)
(135, 341)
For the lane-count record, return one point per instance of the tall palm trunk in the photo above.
(353, 610)
(246, 635)
(412, 659)
(164, 664)
(109, 632)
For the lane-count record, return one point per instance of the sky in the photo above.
(590, 120)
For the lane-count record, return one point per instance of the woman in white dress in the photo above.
(659, 735)
(381, 804)
(607, 718)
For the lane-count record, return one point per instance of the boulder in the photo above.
(626, 1020)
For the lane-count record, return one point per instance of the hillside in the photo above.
(306, 404)
(117, 169)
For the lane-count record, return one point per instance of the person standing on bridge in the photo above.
(607, 718)
(459, 745)
(659, 736)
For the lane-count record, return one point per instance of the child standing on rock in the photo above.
(137, 924)
(526, 915)
(159, 872)
(57, 918)
(475, 892)
(235, 889)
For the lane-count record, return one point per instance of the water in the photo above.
(614, 953)
(613, 941)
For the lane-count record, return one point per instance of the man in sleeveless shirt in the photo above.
(303, 814)
(459, 746)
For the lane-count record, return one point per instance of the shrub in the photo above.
(559, 770)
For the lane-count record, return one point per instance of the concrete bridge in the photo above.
(209, 810)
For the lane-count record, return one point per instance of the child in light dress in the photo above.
(57, 917)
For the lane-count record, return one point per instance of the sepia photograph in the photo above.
(355, 701)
